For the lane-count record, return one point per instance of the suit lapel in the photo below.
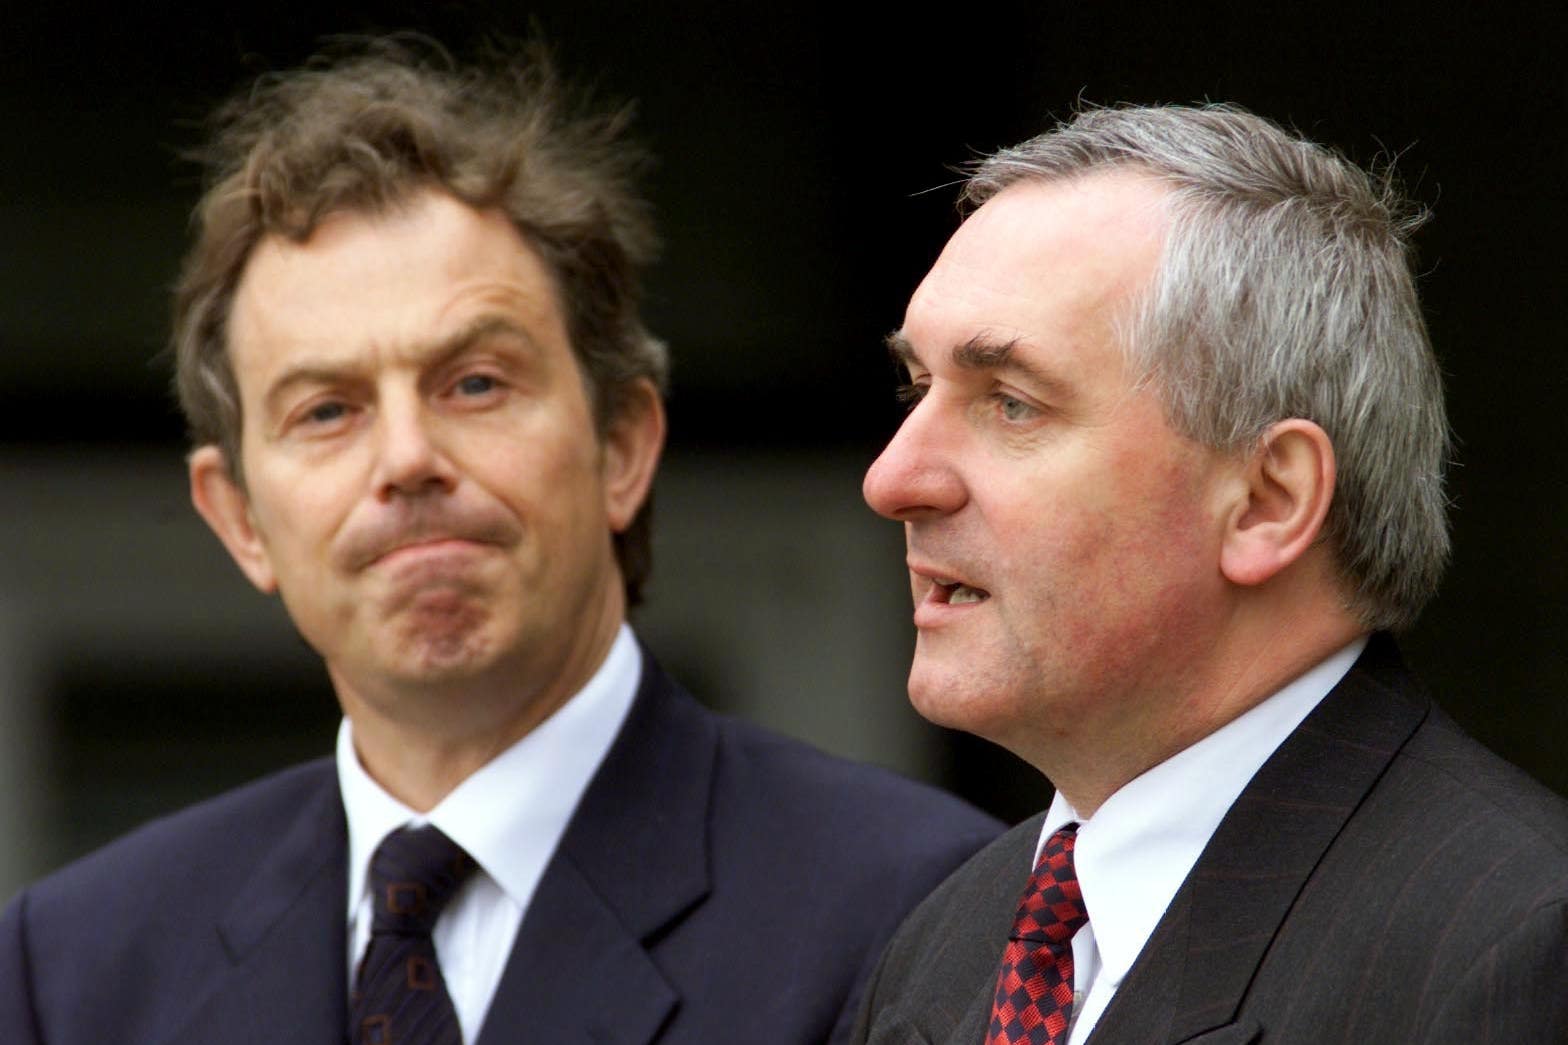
(972, 1029)
(577, 974)
(986, 920)
(975, 1022)
(284, 935)
(626, 871)
(1195, 970)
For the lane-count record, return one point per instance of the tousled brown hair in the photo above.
(372, 123)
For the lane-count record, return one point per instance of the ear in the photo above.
(225, 506)
(631, 453)
(1289, 484)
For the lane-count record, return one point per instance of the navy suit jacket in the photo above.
(1382, 880)
(717, 883)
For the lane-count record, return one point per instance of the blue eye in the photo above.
(324, 413)
(1013, 409)
(476, 384)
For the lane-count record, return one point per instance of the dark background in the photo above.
(804, 187)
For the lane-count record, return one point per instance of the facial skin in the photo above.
(423, 482)
(1087, 534)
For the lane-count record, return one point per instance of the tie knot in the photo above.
(415, 871)
(1051, 909)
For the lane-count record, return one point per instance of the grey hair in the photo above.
(1284, 290)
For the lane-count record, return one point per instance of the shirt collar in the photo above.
(510, 814)
(1138, 848)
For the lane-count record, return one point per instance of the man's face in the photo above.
(1061, 537)
(423, 480)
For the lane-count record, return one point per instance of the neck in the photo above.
(1254, 657)
(420, 741)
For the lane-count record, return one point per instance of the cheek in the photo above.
(1118, 558)
(538, 444)
(1165, 568)
(297, 516)
(542, 486)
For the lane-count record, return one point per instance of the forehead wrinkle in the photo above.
(473, 332)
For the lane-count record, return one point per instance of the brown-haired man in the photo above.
(426, 413)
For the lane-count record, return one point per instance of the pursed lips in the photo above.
(389, 540)
(424, 547)
(411, 550)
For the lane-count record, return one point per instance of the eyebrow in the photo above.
(978, 353)
(434, 354)
(899, 348)
(984, 353)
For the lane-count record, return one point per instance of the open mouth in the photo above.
(955, 593)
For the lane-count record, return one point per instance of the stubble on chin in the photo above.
(940, 688)
(985, 688)
(440, 634)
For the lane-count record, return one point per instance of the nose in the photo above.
(410, 460)
(915, 476)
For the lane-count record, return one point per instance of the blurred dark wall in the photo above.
(804, 187)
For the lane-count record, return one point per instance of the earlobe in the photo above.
(631, 454)
(1289, 487)
(226, 508)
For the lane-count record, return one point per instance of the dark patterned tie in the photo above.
(400, 997)
(1034, 992)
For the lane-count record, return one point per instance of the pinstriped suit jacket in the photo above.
(1382, 880)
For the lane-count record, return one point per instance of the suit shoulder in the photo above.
(153, 921)
(1474, 784)
(846, 844)
(796, 780)
(983, 889)
(222, 835)
(948, 947)
(766, 771)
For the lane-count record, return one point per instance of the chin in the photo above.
(966, 696)
(941, 699)
(440, 654)
(443, 662)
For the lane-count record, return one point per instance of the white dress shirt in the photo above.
(1138, 848)
(509, 816)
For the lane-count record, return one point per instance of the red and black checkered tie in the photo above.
(1034, 992)
(400, 997)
